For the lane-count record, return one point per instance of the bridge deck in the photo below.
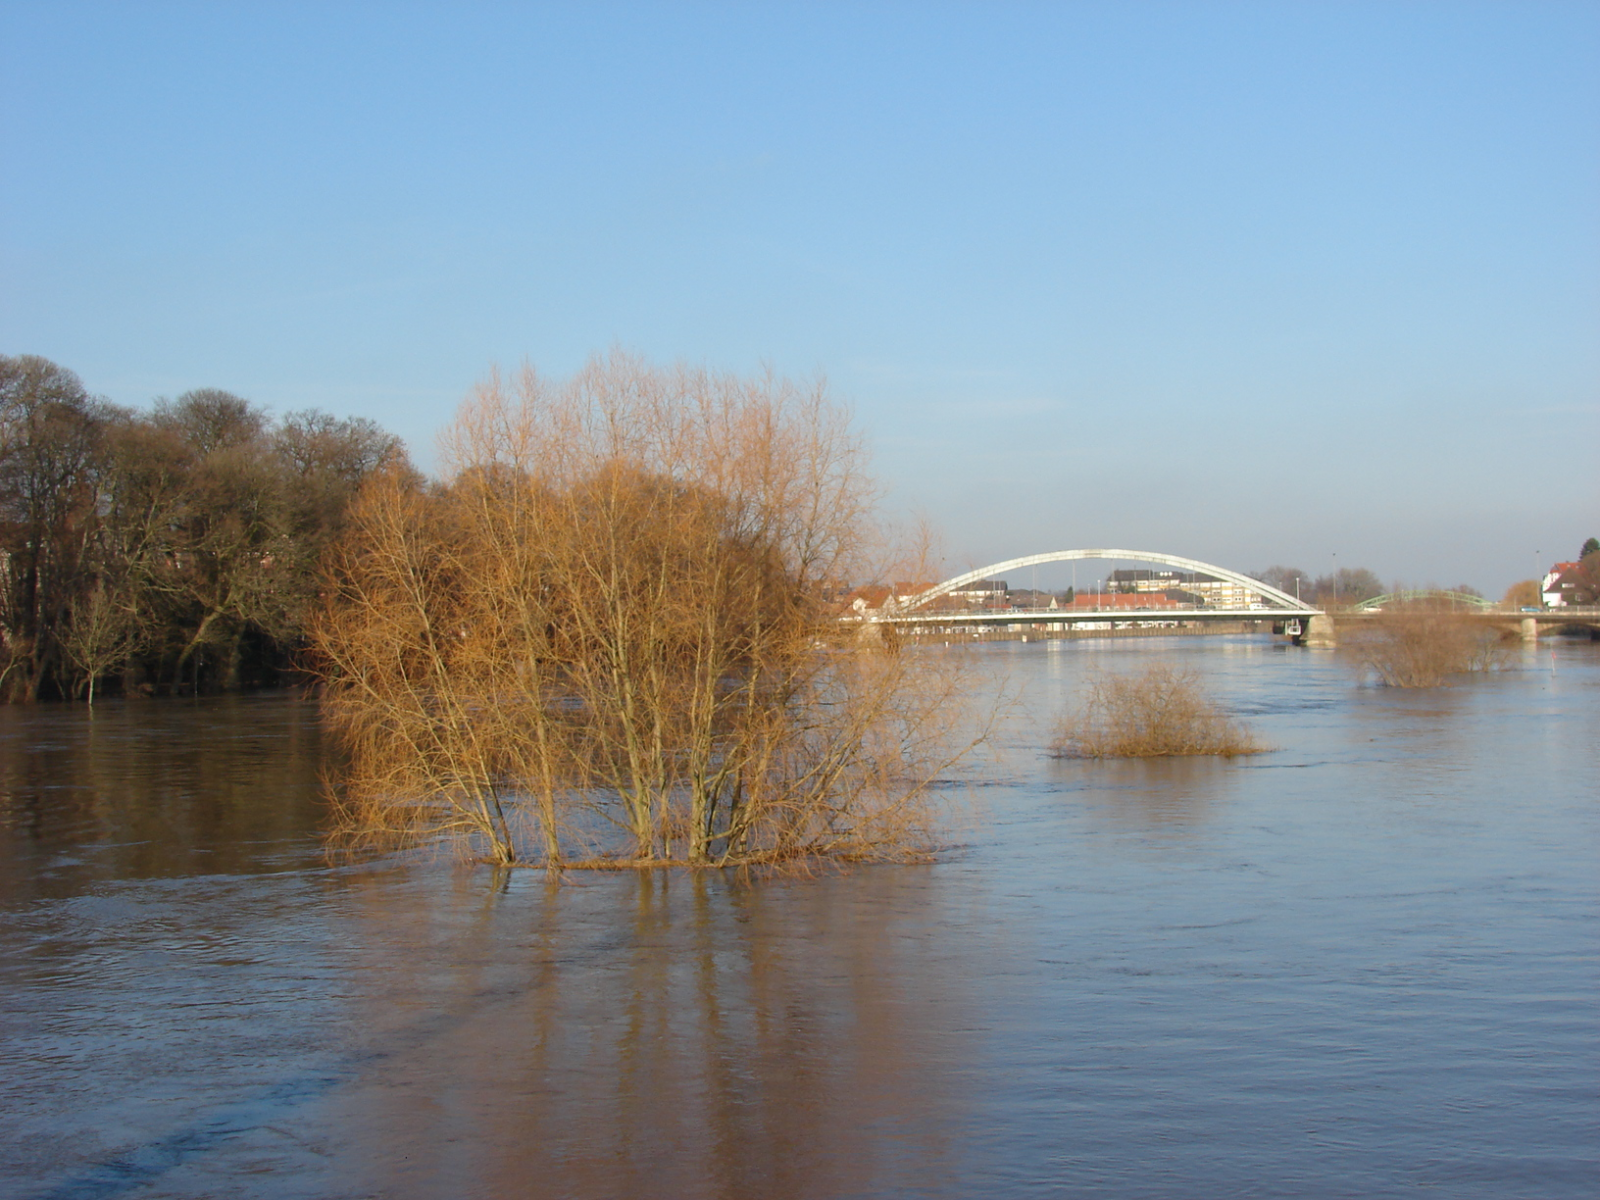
(1048, 616)
(1588, 615)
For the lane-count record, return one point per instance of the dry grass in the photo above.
(1422, 648)
(1161, 711)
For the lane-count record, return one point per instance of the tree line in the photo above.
(605, 635)
(1346, 586)
(170, 550)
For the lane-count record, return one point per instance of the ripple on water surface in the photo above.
(1361, 964)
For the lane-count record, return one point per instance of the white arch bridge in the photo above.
(1265, 603)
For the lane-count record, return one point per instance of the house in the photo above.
(1570, 583)
(880, 597)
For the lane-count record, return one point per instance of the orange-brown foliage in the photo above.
(1423, 647)
(1160, 711)
(603, 639)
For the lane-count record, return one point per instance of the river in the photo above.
(1363, 964)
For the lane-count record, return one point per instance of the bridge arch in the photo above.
(1413, 595)
(1267, 592)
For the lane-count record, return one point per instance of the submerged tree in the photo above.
(1423, 646)
(1159, 712)
(605, 638)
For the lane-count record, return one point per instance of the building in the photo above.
(1213, 592)
(1570, 583)
(881, 597)
(1122, 602)
(984, 593)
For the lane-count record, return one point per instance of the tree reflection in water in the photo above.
(725, 1040)
(1177, 795)
(158, 789)
(1359, 965)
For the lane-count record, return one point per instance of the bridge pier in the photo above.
(878, 635)
(1319, 632)
(1530, 629)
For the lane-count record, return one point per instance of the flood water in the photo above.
(1364, 964)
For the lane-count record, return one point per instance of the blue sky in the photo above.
(1247, 282)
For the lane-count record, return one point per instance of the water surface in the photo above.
(1362, 964)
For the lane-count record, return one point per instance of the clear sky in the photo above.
(1295, 282)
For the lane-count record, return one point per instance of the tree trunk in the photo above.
(190, 651)
(230, 678)
(41, 665)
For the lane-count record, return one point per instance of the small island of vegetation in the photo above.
(1158, 712)
(608, 636)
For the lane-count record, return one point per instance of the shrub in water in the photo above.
(1422, 649)
(603, 638)
(1163, 710)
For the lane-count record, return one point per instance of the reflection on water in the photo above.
(1360, 964)
(661, 1035)
(145, 789)
(1162, 793)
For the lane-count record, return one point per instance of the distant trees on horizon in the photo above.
(1347, 585)
(180, 548)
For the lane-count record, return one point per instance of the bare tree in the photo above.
(139, 543)
(1423, 645)
(50, 451)
(327, 459)
(1523, 592)
(103, 632)
(257, 506)
(1347, 585)
(605, 638)
(1288, 579)
(209, 420)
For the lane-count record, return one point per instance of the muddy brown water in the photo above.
(1363, 964)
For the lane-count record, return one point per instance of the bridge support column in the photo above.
(879, 635)
(1319, 632)
(1530, 629)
